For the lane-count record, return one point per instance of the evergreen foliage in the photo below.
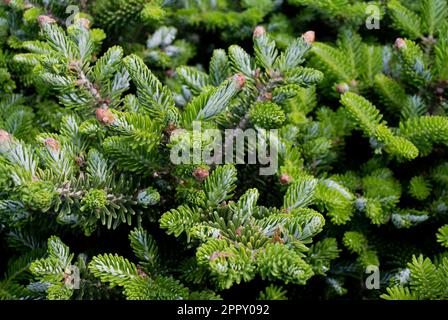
(95, 102)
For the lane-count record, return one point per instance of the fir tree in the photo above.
(88, 125)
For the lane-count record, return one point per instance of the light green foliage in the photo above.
(300, 194)
(152, 95)
(426, 280)
(220, 184)
(291, 268)
(267, 115)
(419, 188)
(143, 281)
(405, 20)
(433, 14)
(357, 243)
(408, 218)
(263, 241)
(16, 118)
(351, 65)
(118, 14)
(96, 196)
(273, 293)
(91, 120)
(114, 269)
(63, 62)
(382, 192)
(56, 270)
(441, 53)
(94, 200)
(369, 120)
(425, 132)
(337, 199)
(12, 285)
(414, 63)
(322, 253)
(442, 236)
(350, 12)
(164, 50)
(148, 197)
(144, 247)
(39, 195)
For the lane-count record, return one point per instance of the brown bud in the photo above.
(239, 231)
(172, 131)
(141, 273)
(80, 161)
(84, 22)
(74, 65)
(309, 37)
(267, 96)
(429, 40)
(277, 236)
(440, 91)
(4, 136)
(342, 88)
(52, 144)
(43, 20)
(201, 174)
(81, 82)
(285, 179)
(105, 116)
(215, 255)
(67, 277)
(170, 73)
(275, 74)
(107, 101)
(240, 80)
(259, 31)
(400, 43)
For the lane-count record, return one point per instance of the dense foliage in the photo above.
(96, 95)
